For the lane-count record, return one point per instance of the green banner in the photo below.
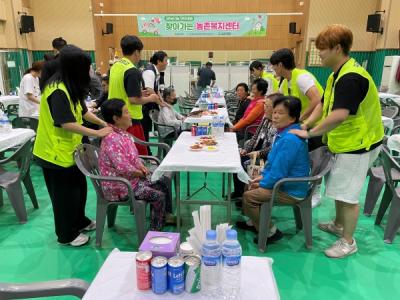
(213, 25)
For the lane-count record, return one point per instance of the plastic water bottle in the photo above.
(211, 265)
(221, 126)
(5, 124)
(215, 126)
(231, 256)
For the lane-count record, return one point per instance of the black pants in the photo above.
(239, 185)
(315, 143)
(67, 189)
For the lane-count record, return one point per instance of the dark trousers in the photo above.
(67, 189)
(239, 185)
(315, 143)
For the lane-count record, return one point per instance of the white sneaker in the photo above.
(80, 240)
(90, 227)
(330, 227)
(341, 248)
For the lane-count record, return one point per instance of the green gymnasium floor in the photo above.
(30, 252)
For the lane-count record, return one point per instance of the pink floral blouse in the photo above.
(119, 157)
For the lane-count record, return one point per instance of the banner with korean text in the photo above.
(202, 25)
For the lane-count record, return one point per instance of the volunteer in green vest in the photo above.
(126, 83)
(60, 131)
(353, 130)
(257, 71)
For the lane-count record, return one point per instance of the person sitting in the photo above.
(259, 145)
(288, 158)
(242, 91)
(255, 111)
(119, 158)
(168, 116)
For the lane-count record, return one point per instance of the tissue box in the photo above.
(161, 243)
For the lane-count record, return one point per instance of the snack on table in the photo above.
(196, 113)
(211, 148)
(209, 142)
(196, 147)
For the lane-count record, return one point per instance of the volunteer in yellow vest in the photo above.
(353, 130)
(126, 84)
(60, 131)
(257, 71)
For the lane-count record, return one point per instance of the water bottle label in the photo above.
(210, 260)
(231, 260)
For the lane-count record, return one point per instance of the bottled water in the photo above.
(231, 256)
(211, 265)
(221, 126)
(215, 126)
(5, 124)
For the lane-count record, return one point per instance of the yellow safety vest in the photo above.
(117, 89)
(55, 144)
(358, 131)
(270, 78)
(295, 90)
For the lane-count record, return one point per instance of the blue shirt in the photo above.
(288, 158)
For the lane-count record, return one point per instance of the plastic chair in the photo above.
(12, 110)
(86, 158)
(393, 222)
(66, 287)
(11, 181)
(25, 122)
(162, 139)
(321, 163)
(390, 111)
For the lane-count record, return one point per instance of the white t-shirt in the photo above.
(149, 77)
(304, 82)
(28, 85)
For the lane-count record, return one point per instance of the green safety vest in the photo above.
(295, 90)
(55, 144)
(358, 131)
(117, 90)
(270, 78)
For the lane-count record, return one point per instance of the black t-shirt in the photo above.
(241, 109)
(205, 77)
(133, 82)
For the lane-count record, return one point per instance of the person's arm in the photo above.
(315, 98)
(78, 128)
(213, 79)
(92, 118)
(32, 98)
(251, 117)
(149, 77)
(29, 84)
(314, 117)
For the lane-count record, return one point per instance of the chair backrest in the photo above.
(25, 122)
(22, 156)
(390, 111)
(2, 107)
(389, 163)
(321, 161)
(12, 110)
(153, 113)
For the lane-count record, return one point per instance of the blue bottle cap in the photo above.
(231, 234)
(211, 235)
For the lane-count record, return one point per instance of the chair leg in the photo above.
(16, 197)
(375, 186)
(140, 219)
(29, 188)
(297, 218)
(306, 218)
(385, 202)
(1, 197)
(393, 223)
(265, 220)
(111, 215)
(101, 214)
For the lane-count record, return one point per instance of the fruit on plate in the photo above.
(196, 147)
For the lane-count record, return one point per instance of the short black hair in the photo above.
(131, 43)
(292, 104)
(243, 85)
(256, 65)
(111, 108)
(58, 43)
(158, 57)
(262, 85)
(168, 91)
(209, 64)
(284, 56)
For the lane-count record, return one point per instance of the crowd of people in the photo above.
(285, 113)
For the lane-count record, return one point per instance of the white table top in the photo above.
(15, 137)
(116, 279)
(222, 112)
(9, 99)
(220, 99)
(225, 160)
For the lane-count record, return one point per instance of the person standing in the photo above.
(257, 71)
(126, 84)
(206, 77)
(29, 92)
(60, 131)
(352, 128)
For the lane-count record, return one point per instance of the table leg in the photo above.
(223, 185)
(188, 184)
(178, 200)
(228, 198)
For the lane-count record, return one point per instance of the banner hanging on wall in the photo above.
(202, 25)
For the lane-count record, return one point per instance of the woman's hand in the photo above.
(144, 170)
(138, 173)
(254, 185)
(300, 133)
(103, 132)
(243, 152)
(254, 154)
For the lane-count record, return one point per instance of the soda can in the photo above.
(143, 274)
(159, 281)
(192, 274)
(176, 275)
(186, 250)
(215, 105)
(194, 130)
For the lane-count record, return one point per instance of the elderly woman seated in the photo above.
(259, 145)
(119, 158)
(288, 158)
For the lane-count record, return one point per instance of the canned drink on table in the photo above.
(215, 105)
(176, 275)
(159, 280)
(143, 274)
(194, 130)
(185, 250)
(192, 274)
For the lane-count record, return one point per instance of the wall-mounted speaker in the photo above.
(27, 24)
(109, 29)
(293, 29)
(374, 23)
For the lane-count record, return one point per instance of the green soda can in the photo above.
(192, 274)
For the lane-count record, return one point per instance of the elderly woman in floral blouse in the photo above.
(259, 145)
(119, 157)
